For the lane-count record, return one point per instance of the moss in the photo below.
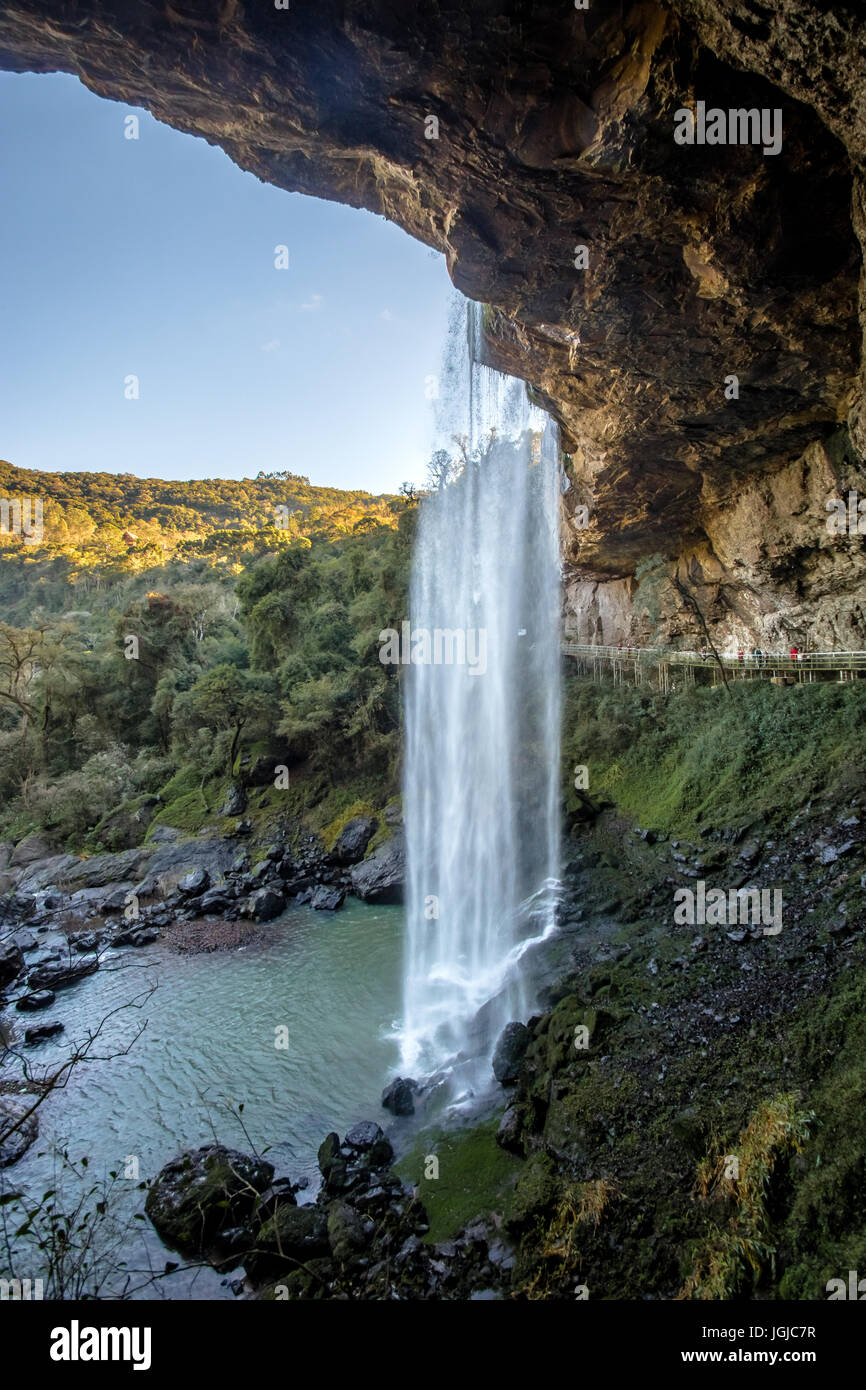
(331, 833)
(475, 1177)
(708, 755)
(534, 1194)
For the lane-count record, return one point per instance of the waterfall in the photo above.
(481, 779)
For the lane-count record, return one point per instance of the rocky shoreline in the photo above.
(63, 916)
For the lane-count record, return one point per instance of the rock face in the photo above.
(507, 137)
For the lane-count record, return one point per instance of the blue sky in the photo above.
(155, 258)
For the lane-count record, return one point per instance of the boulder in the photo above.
(399, 1097)
(15, 1142)
(292, 1234)
(352, 842)
(194, 883)
(508, 1135)
(11, 963)
(41, 1032)
(44, 874)
(216, 900)
(41, 999)
(62, 975)
(509, 1052)
(29, 850)
(363, 1136)
(327, 899)
(203, 1192)
(24, 940)
(379, 877)
(86, 941)
(265, 904)
(103, 870)
(136, 936)
(164, 835)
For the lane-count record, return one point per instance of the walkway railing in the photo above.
(671, 669)
(767, 661)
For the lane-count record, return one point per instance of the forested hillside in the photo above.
(166, 644)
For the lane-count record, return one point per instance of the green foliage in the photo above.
(680, 762)
(255, 608)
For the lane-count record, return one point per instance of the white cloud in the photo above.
(271, 346)
(387, 316)
(314, 302)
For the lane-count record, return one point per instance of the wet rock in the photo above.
(353, 839)
(11, 963)
(24, 940)
(196, 882)
(136, 936)
(61, 976)
(327, 899)
(41, 999)
(509, 1052)
(364, 1135)
(265, 904)
(15, 1143)
(508, 1135)
(41, 1032)
(216, 900)
(86, 942)
(399, 1097)
(204, 1192)
(379, 878)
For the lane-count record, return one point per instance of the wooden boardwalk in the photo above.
(670, 668)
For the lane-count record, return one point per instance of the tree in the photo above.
(224, 699)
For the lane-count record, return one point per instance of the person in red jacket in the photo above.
(794, 653)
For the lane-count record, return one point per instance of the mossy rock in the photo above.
(534, 1194)
(204, 1192)
(292, 1235)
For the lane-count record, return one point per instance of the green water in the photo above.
(211, 1026)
